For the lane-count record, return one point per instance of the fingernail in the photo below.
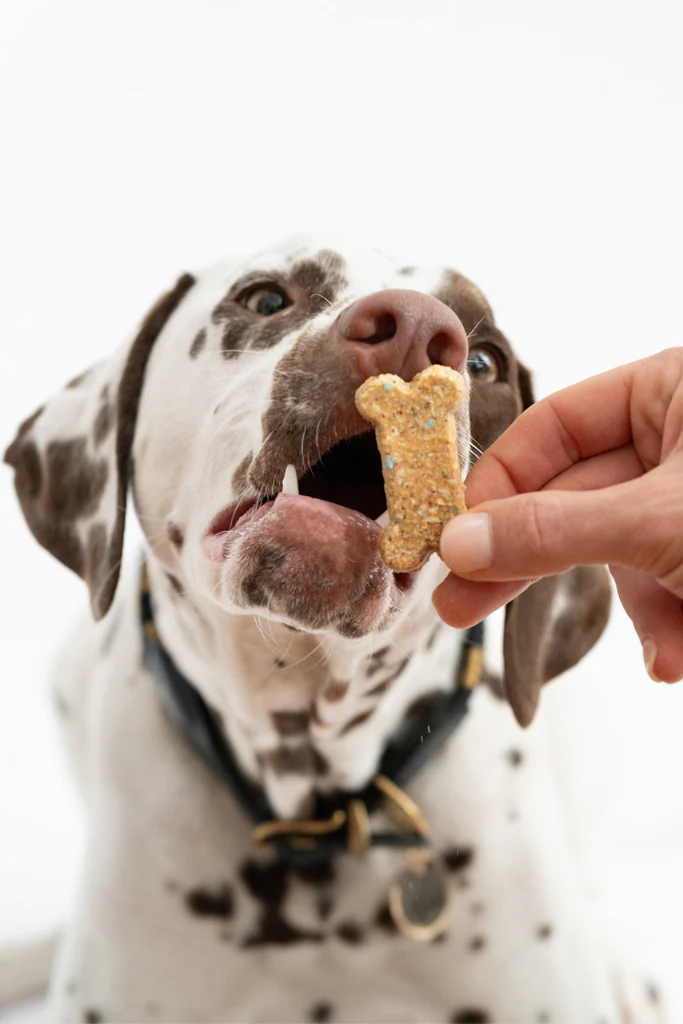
(466, 543)
(650, 651)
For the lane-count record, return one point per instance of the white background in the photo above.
(534, 145)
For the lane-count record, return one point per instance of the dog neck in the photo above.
(305, 713)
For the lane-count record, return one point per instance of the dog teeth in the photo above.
(290, 484)
(383, 520)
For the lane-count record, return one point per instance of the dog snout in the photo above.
(402, 332)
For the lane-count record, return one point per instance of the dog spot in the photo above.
(29, 472)
(320, 762)
(204, 901)
(321, 873)
(267, 565)
(470, 1016)
(457, 858)
(376, 661)
(384, 920)
(198, 344)
(324, 904)
(104, 423)
(384, 685)
(175, 584)
(544, 931)
(175, 535)
(476, 944)
(92, 1017)
(378, 691)
(321, 1013)
(356, 722)
(75, 483)
(298, 760)
(335, 691)
(279, 663)
(407, 271)
(267, 883)
(290, 723)
(514, 757)
(351, 933)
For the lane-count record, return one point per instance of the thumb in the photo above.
(632, 524)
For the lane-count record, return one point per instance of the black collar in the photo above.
(342, 820)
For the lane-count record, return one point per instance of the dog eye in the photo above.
(483, 365)
(267, 301)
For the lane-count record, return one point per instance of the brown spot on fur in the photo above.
(76, 382)
(322, 765)
(386, 683)
(104, 423)
(470, 1016)
(290, 760)
(384, 920)
(376, 661)
(351, 933)
(544, 931)
(476, 944)
(291, 723)
(321, 1013)
(175, 584)
(407, 271)
(92, 1017)
(335, 691)
(457, 858)
(211, 902)
(324, 905)
(356, 721)
(514, 757)
(309, 279)
(29, 472)
(175, 535)
(318, 873)
(268, 884)
(75, 483)
(198, 344)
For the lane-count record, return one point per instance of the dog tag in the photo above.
(418, 899)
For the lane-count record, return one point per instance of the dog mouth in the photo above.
(347, 479)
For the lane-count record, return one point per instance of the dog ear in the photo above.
(548, 629)
(72, 459)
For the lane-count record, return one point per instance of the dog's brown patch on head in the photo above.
(291, 723)
(175, 535)
(310, 282)
(211, 901)
(199, 343)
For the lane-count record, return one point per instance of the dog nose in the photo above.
(402, 332)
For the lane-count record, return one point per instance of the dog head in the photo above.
(234, 376)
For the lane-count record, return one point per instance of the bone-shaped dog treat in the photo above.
(417, 438)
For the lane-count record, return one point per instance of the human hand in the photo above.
(592, 474)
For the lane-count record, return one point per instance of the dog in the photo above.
(231, 712)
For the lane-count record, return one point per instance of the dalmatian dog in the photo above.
(229, 419)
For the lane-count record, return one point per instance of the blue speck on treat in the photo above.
(430, 423)
(389, 385)
(390, 462)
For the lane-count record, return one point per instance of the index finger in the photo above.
(574, 424)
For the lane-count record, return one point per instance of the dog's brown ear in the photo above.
(72, 458)
(548, 629)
